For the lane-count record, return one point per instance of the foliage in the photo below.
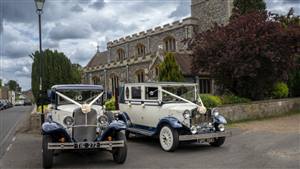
(246, 6)
(242, 7)
(233, 99)
(57, 69)
(289, 19)
(280, 90)
(169, 70)
(294, 81)
(0, 83)
(110, 104)
(13, 85)
(211, 101)
(248, 55)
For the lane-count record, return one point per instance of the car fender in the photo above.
(54, 129)
(171, 121)
(124, 117)
(220, 119)
(114, 126)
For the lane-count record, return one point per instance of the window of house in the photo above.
(205, 85)
(151, 93)
(170, 44)
(136, 93)
(121, 54)
(96, 80)
(140, 76)
(140, 49)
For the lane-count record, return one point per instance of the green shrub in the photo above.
(280, 90)
(233, 99)
(110, 104)
(210, 101)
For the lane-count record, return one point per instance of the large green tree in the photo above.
(0, 83)
(169, 70)
(57, 69)
(249, 55)
(242, 7)
(13, 85)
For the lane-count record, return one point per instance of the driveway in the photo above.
(258, 144)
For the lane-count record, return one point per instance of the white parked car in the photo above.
(172, 111)
(78, 121)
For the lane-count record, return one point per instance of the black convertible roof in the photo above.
(77, 87)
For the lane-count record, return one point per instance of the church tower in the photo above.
(211, 11)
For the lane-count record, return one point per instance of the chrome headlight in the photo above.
(221, 127)
(193, 129)
(215, 112)
(186, 114)
(68, 121)
(103, 120)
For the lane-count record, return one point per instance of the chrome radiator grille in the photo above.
(198, 118)
(84, 128)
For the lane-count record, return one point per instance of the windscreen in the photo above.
(80, 96)
(186, 92)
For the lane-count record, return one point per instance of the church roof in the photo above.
(99, 58)
(184, 60)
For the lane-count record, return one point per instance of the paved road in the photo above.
(245, 149)
(8, 120)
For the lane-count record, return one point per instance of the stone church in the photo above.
(135, 58)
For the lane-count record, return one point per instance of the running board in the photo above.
(140, 131)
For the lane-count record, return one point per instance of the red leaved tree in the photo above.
(248, 55)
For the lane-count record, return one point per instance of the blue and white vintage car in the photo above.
(172, 111)
(77, 121)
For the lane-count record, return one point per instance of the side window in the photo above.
(151, 93)
(136, 93)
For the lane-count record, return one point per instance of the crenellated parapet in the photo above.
(160, 29)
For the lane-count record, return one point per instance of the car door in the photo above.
(133, 104)
(151, 107)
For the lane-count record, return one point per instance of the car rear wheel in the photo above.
(120, 153)
(169, 139)
(47, 154)
(218, 142)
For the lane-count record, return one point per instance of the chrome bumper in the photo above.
(86, 145)
(204, 136)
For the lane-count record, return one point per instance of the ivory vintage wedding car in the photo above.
(172, 111)
(78, 121)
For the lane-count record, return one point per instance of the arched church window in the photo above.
(121, 54)
(140, 76)
(170, 44)
(140, 49)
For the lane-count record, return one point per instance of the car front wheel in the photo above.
(47, 154)
(169, 139)
(120, 153)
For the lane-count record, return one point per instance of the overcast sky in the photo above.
(75, 27)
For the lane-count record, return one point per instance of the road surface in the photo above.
(263, 147)
(9, 118)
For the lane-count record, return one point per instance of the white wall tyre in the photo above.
(168, 138)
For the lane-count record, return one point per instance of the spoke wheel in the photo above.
(168, 138)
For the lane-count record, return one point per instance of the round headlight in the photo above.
(68, 121)
(221, 127)
(193, 129)
(216, 113)
(103, 119)
(186, 114)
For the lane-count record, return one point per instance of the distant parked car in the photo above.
(27, 103)
(19, 103)
(1, 105)
(5, 104)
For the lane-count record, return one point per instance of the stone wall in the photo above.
(259, 109)
(211, 11)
